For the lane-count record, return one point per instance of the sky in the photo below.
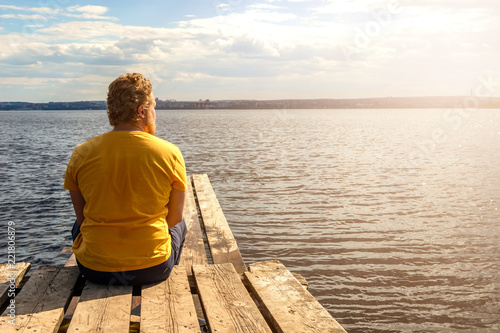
(70, 50)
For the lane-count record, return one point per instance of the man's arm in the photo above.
(78, 205)
(175, 207)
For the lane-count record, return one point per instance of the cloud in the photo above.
(83, 12)
(94, 10)
(40, 10)
(80, 30)
(24, 17)
(264, 6)
(52, 88)
(189, 77)
(247, 44)
(348, 6)
(290, 0)
(198, 49)
(89, 12)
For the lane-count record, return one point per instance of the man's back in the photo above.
(125, 178)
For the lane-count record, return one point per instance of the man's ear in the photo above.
(141, 111)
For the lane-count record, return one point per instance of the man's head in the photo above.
(131, 101)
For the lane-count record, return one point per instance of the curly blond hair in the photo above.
(125, 95)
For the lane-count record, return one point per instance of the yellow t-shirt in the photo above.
(126, 179)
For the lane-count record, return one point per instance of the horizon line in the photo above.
(269, 100)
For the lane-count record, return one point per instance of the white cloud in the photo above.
(10, 7)
(34, 26)
(94, 10)
(83, 12)
(189, 76)
(80, 30)
(40, 10)
(349, 6)
(52, 88)
(24, 17)
(264, 6)
(19, 55)
(266, 12)
(89, 12)
(290, 0)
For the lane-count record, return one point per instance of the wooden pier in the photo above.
(212, 285)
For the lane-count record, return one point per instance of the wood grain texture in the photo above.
(102, 308)
(301, 280)
(228, 306)
(11, 273)
(223, 247)
(287, 305)
(38, 323)
(168, 306)
(40, 304)
(193, 252)
(71, 261)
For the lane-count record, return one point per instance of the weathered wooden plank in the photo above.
(39, 306)
(71, 261)
(223, 247)
(168, 306)
(286, 304)
(67, 250)
(6, 325)
(50, 287)
(102, 308)
(11, 274)
(301, 280)
(227, 304)
(193, 252)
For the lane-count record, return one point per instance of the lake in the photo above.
(390, 215)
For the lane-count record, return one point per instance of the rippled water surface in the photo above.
(391, 215)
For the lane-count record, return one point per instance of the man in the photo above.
(128, 191)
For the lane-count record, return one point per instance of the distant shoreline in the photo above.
(465, 102)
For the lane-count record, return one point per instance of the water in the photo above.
(391, 215)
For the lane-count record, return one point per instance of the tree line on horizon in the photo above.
(356, 103)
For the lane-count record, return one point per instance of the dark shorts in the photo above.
(140, 276)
